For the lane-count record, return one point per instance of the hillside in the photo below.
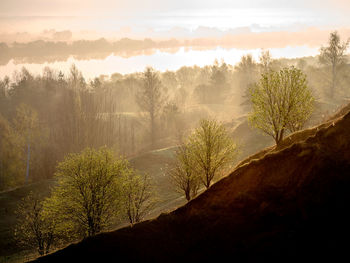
(281, 204)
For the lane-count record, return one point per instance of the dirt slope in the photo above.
(291, 204)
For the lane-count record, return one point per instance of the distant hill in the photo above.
(287, 203)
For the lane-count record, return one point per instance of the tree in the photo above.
(151, 98)
(35, 228)
(170, 116)
(247, 74)
(138, 197)
(247, 70)
(12, 167)
(281, 101)
(334, 56)
(86, 196)
(218, 81)
(266, 61)
(4, 89)
(213, 150)
(183, 172)
(26, 125)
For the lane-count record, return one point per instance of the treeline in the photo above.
(41, 50)
(45, 117)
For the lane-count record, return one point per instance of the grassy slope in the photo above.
(289, 204)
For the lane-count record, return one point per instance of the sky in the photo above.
(286, 26)
(147, 16)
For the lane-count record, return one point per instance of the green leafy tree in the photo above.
(183, 172)
(334, 56)
(138, 196)
(281, 101)
(35, 228)
(213, 150)
(151, 98)
(88, 191)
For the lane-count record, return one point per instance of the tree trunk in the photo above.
(333, 81)
(152, 130)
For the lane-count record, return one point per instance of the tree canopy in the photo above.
(212, 149)
(281, 101)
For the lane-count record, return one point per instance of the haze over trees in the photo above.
(151, 99)
(281, 101)
(333, 56)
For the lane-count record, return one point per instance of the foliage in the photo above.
(334, 56)
(138, 196)
(281, 101)
(212, 149)
(35, 227)
(12, 167)
(183, 172)
(86, 197)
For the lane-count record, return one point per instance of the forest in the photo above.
(44, 117)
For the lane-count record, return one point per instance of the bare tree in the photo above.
(334, 56)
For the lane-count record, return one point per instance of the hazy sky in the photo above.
(244, 24)
(247, 12)
(111, 7)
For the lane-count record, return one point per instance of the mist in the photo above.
(109, 96)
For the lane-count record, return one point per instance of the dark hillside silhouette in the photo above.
(290, 204)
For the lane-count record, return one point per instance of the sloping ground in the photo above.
(291, 204)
